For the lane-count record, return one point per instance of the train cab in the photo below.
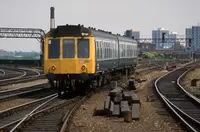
(69, 51)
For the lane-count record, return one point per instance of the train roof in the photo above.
(79, 30)
(103, 34)
(68, 30)
(127, 39)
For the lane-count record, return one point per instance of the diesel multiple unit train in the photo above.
(77, 58)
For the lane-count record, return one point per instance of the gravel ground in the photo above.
(19, 101)
(186, 82)
(153, 116)
(13, 103)
(25, 84)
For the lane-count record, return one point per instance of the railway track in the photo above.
(148, 67)
(180, 103)
(2, 72)
(179, 82)
(50, 116)
(26, 75)
(12, 116)
(10, 73)
(22, 92)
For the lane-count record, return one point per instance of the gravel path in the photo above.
(186, 82)
(153, 116)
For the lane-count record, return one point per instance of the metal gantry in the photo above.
(34, 33)
(160, 40)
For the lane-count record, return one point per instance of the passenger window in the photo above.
(97, 49)
(106, 52)
(100, 50)
(68, 48)
(83, 48)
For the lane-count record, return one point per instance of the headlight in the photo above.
(53, 68)
(83, 67)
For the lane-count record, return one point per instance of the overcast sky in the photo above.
(111, 15)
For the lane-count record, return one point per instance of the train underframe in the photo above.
(69, 85)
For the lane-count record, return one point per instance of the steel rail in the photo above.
(6, 112)
(178, 112)
(51, 110)
(68, 114)
(188, 94)
(21, 93)
(4, 73)
(3, 80)
(28, 115)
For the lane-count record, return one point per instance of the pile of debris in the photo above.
(120, 103)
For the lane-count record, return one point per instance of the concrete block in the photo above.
(116, 111)
(127, 95)
(117, 99)
(124, 107)
(111, 108)
(115, 91)
(107, 103)
(113, 85)
(134, 97)
(136, 111)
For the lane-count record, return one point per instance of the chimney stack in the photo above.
(52, 20)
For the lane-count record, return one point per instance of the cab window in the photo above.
(83, 48)
(68, 48)
(53, 48)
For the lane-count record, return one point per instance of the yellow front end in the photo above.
(69, 55)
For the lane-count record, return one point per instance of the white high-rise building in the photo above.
(173, 36)
(193, 38)
(188, 37)
(163, 39)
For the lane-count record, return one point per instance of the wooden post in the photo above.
(127, 117)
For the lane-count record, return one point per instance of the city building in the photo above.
(147, 47)
(193, 38)
(173, 35)
(132, 34)
(157, 37)
(188, 37)
(163, 38)
(3, 53)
